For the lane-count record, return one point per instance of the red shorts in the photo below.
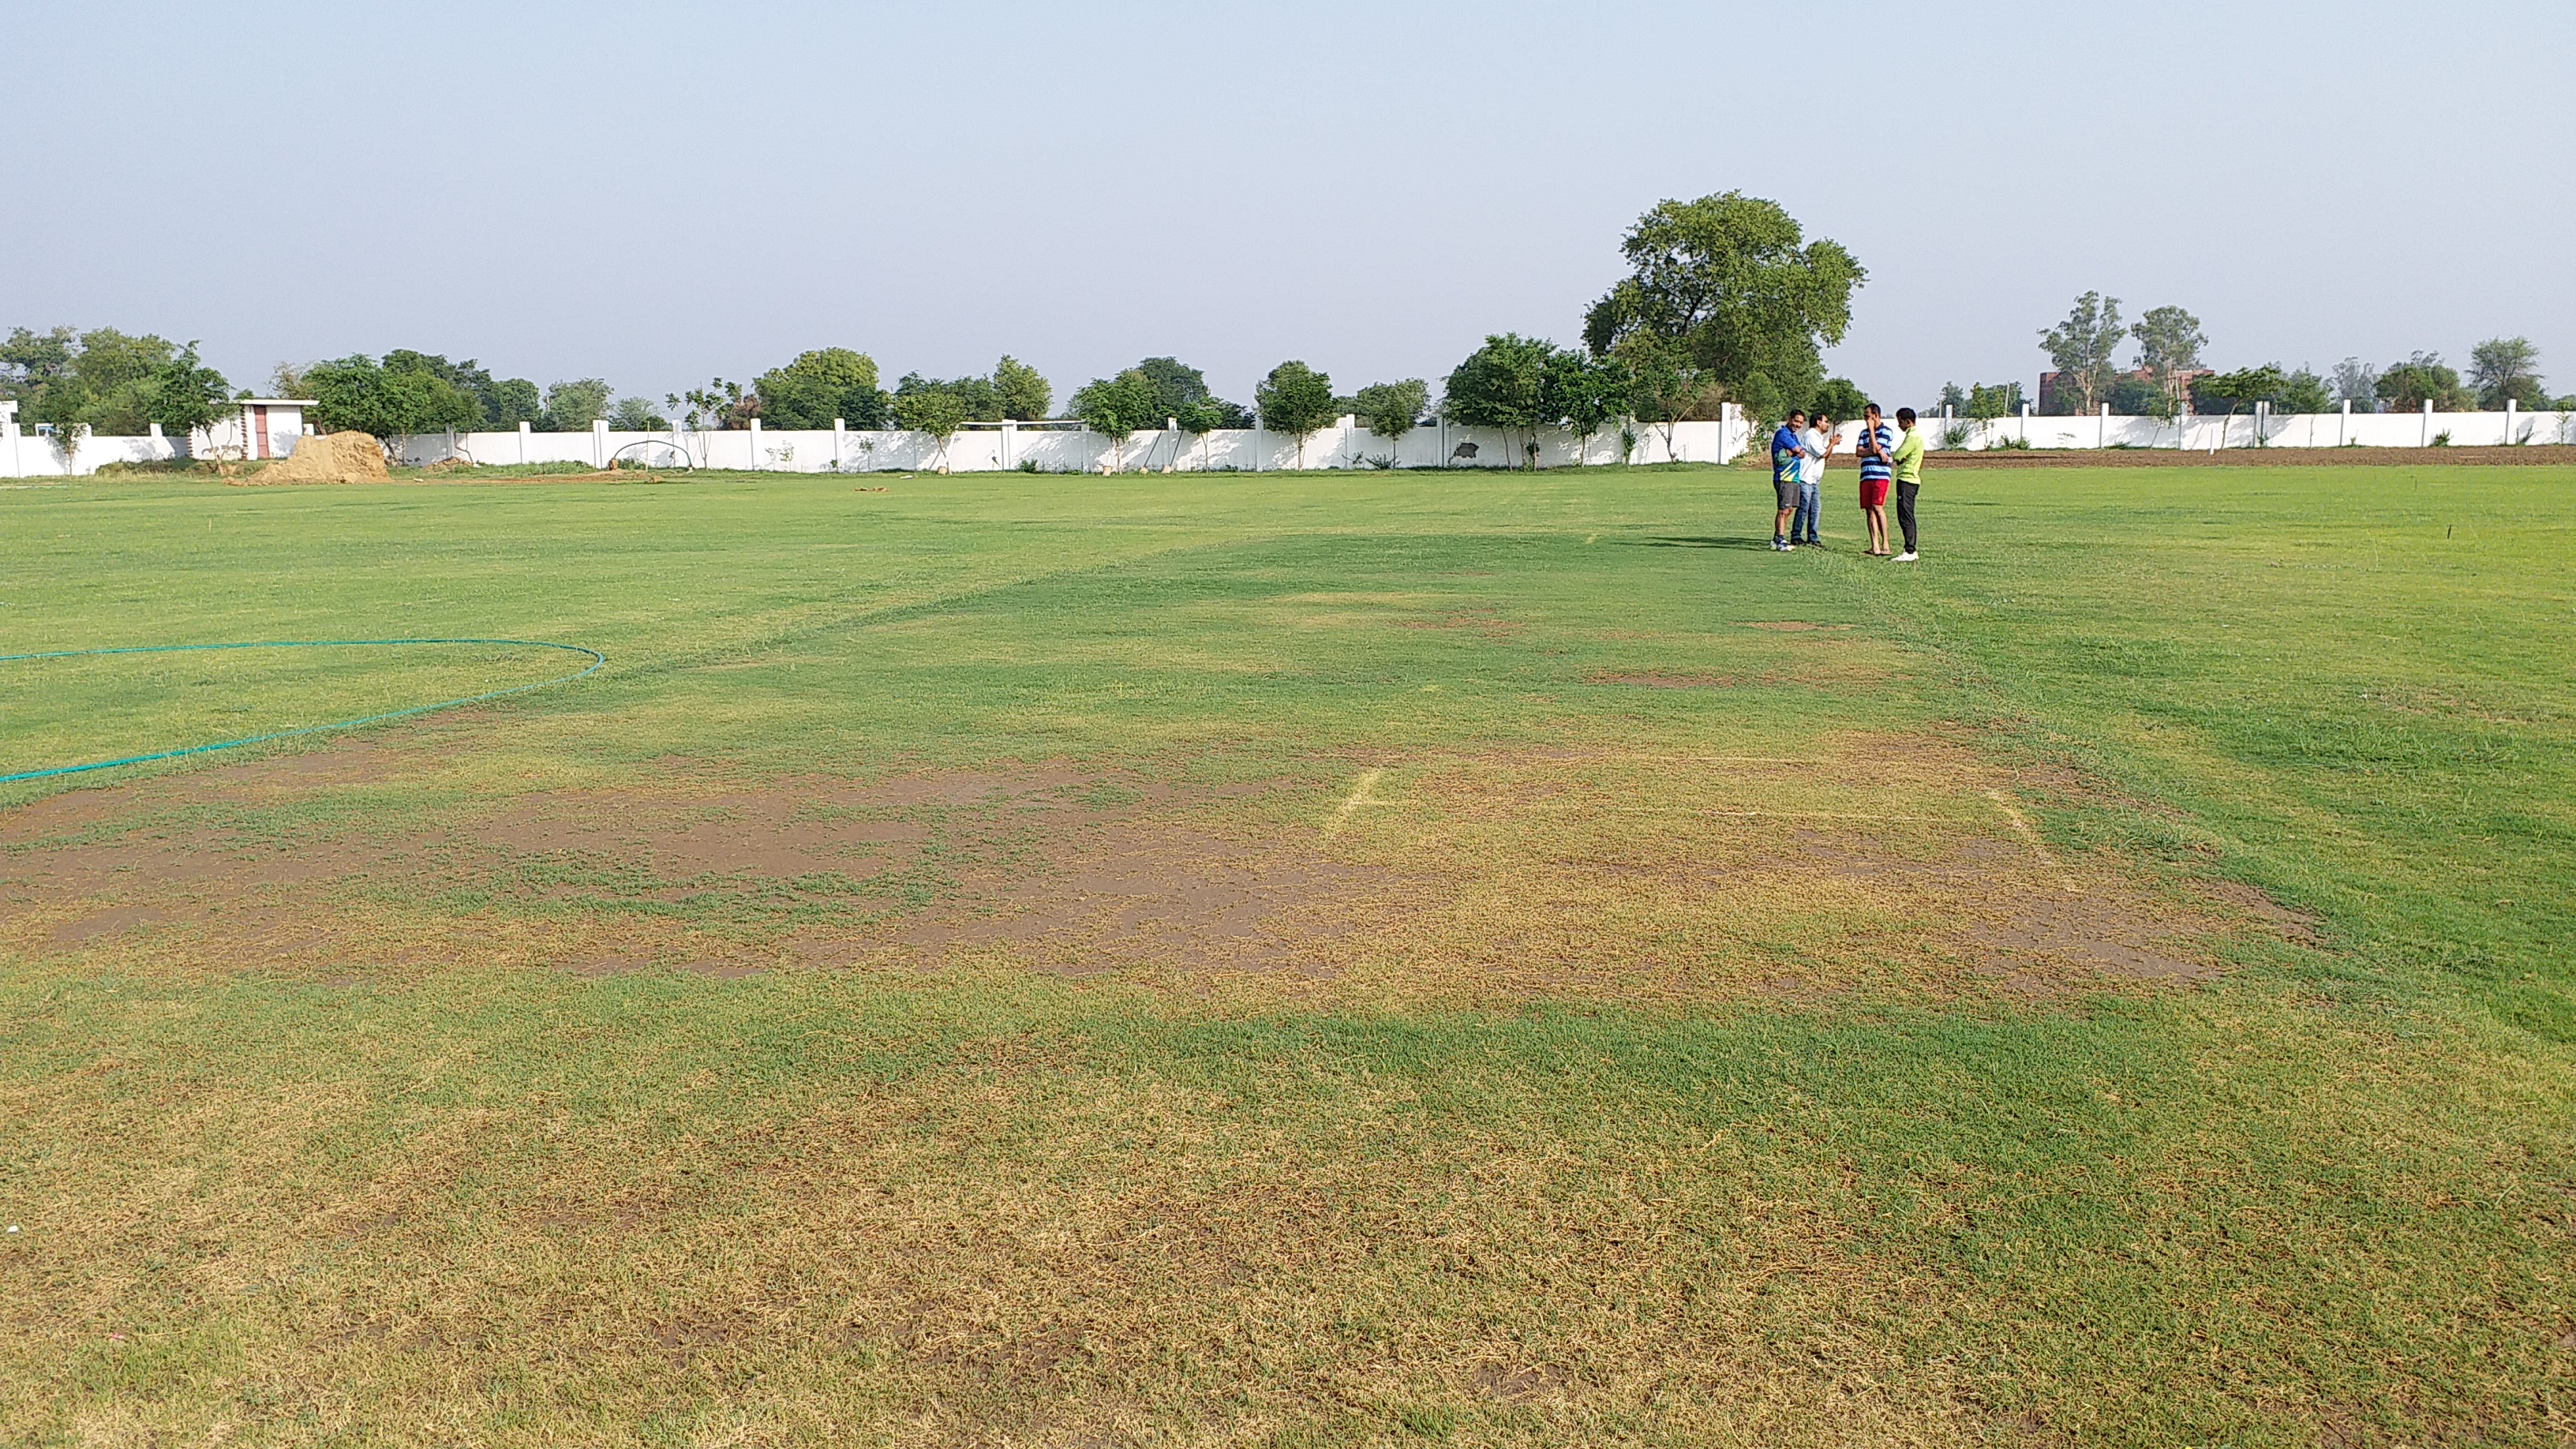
(1873, 493)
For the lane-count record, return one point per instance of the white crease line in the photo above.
(2038, 847)
(1359, 797)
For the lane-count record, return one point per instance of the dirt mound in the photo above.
(328, 458)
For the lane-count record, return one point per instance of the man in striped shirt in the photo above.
(1876, 446)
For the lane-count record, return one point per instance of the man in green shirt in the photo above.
(1909, 479)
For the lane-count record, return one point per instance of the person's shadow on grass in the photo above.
(1731, 540)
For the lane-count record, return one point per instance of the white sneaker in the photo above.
(1909, 556)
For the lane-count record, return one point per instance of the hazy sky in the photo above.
(654, 193)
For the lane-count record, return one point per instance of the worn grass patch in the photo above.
(1349, 961)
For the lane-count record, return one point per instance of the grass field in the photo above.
(1304, 960)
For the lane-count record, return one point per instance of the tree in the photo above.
(183, 395)
(1588, 393)
(974, 395)
(2357, 382)
(1198, 419)
(937, 411)
(1838, 398)
(29, 360)
(719, 406)
(1988, 402)
(1297, 400)
(1019, 391)
(571, 407)
(2303, 392)
(2241, 388)
(504, 403)
(1733, 283)
(2507, 369)
(1118, 406)
(2082, 345)
(1666, 388)
(356, 394)
(1514, 383)
(2407, 386)
(2169, 344)
(1177, 385)
(1391, 409)
(818, 386)
(636, 415)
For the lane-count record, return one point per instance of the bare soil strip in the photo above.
(1475, 878)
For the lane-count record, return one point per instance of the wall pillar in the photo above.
(2424, 438)
(2510, 405)
(523, 440)
(1010, 438)
(2343, 425)
(599, 442)
(755, 445)
(840, 442)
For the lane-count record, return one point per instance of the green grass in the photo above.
(1554, 1167)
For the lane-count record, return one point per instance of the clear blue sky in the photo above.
(654, 192)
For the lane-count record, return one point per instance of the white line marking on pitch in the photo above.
(2038, 847)
(1359, 797)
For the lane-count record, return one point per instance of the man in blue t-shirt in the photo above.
(1877, 449)
(1787, 452)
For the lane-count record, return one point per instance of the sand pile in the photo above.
(328, 458)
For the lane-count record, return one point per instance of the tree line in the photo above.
(2167, 378)
(1726, 301)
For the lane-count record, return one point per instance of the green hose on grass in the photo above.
(596, 660)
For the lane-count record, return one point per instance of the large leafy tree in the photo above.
(2082, 348)
(2357, 382)
(975, 398)
(1019, 390)
(183, 394)
(2406, 386)
(2169, 345)
(807, 393)
(2507, 369)
(1297, 400)
(1118, 407)
(1182, 392)
(1733, 285)
(29, 360)
(1514, 383)
(99, 381)
(503, 402)
(358, 394)
(1391, 409)
(571, 407)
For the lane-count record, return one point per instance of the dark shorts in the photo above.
(1873, 493)
(1787, 488)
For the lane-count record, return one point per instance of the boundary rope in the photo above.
(597, 659)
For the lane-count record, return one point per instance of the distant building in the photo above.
(260, 427)
(2054, 403)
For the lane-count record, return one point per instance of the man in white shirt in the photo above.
(1816, 442)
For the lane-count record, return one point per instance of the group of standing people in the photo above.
(1888, 457)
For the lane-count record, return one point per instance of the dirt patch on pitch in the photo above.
(1069, 870)
(1877, 866)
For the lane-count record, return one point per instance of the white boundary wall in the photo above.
(1345, 445)
(1066, 449)
(2247, 430)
